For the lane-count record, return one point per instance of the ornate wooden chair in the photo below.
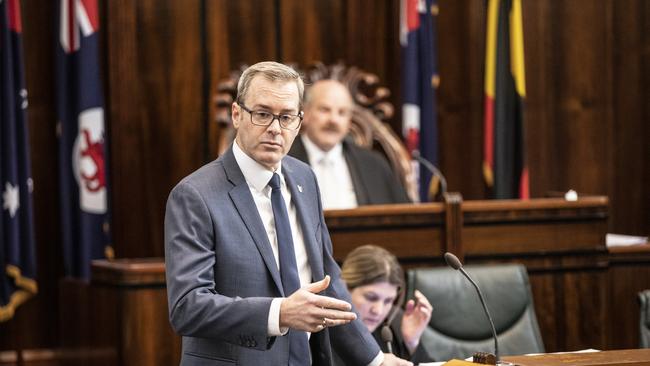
(368, 129)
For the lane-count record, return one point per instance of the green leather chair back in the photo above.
(644, 319)
(459, 326)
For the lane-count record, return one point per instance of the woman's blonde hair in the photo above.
(370, 264)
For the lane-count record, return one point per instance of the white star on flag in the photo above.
(10, 198)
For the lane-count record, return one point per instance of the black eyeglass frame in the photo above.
(300, 115)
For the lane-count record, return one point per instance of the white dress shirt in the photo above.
(257, 177)
(333, 175)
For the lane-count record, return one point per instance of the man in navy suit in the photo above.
(250, 275)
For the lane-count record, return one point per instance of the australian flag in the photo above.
(18, 271)
(420, 79)
(85, 213)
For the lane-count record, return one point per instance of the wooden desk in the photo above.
(629, 274)
(561, 243)
(630, 357)
(137, 296)
(573, 276)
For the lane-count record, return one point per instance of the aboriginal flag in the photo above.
(504, 158)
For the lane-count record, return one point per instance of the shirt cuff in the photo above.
(274, 319)
(377, 360)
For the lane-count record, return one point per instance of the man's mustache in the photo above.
(332, 127)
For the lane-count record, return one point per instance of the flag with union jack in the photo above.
(420, 80)
(85, 211)
(17, 257)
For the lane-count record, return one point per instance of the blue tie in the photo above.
(298, 344)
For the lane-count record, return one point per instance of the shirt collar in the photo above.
(256, 174)
(316, 155)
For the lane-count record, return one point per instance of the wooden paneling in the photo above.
(237, 33)
(154, 106)
(630, 177)
(588, 83)
(629, 275)
(461, 29)
(579, 300)
(630, 357)
(137, 299)
(582, 129)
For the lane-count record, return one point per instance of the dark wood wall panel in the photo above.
(461, 34)
(631, 116)
(587, 110)
(313, 31)
(154, 82)
(237, 33)
(580, 136)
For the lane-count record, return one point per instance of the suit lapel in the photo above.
(241, 197)
(306, 202)
(298, 150)
(357, 178)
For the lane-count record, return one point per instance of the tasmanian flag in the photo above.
(85, 213)
(420, 80)
(504, 162)
(17, 260)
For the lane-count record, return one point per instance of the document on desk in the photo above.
(619, 240)
(588, 350)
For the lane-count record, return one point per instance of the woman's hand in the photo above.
(417, 314)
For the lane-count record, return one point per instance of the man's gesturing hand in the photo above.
(307, 311)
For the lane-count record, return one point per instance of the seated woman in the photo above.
(376, 283)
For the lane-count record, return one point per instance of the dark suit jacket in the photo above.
(373, 180)
(398, 345)
(222, 275)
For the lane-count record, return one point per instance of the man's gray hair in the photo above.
(272, 71)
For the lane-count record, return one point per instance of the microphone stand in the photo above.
(415, 154)
(454, 263)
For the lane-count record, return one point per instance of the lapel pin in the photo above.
(299, 188)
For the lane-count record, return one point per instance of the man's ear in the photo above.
(235, 114)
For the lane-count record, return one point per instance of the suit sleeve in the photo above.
(195, 307)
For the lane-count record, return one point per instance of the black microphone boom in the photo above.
(415, 154)
(454, 263)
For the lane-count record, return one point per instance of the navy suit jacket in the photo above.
(222, 275)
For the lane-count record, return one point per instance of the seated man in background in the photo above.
(348, 175)
(376, 282)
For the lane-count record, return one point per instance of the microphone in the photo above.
(454, 263)
(415, 154)
(387, 337)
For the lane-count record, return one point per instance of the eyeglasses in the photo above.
(264, 118)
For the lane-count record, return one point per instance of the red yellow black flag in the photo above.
(504, 160)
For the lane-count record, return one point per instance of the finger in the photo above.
(410, 305)
(422, 300)
(339, 315)
(318, 286)
(319, 328)
(327, 302)
(336, 322)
